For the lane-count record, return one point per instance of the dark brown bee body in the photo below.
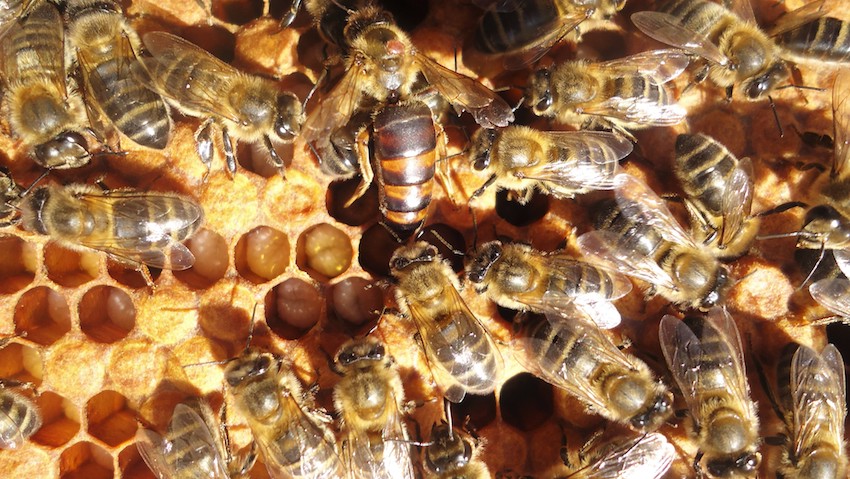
(405, 156)
(105, 52)
(824, 39)
(501, 32)
(705, 165)
(453, 454)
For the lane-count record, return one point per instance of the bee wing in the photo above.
(605, 250)
(646, 457)
(149, 227)
(835, 362)
(397, 460)
(833, 294)
(152, 448)
(25, 49)
(465, 93)
(168, 50)
(737, 200)
(11, 436)
(795, 18)
(666, 29)
(742, 9)
(842, 259)
(662, 65)
(587, 160)
(191, 434)
(335, 109)
(459, 361)
(554, 33)
(585, 333)
(683, 353)
(841, 121)
(639, 109)
(640, 202)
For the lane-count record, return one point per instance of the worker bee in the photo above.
(104, 45)
(192, 446)
(706, 360)
(462, 354)
(560, 163)
(516, 276)
(736, 51)
(19, 416)
(198, 84)
(833, 291)
(406, 143)
(133, 227)
(339, 156)
(43, 111)
(525, 31)
(453, 454)
(718, 194)
(639, 237)
(812, 397)
(571, 353)
(647, 456)
(369, 400)
(383, 65)
(626, 93)
(809, 33)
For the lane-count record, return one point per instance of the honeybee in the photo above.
(648, 456)
(719, 194)
(627, 93)
(813, 401)
(524, 31)
(571, 353)
(19, 416)
(833, 291)
(737, 52)
(339, 156)
(198, 84)
(192, 446)
(105, 49)
(639, 237)
(706, 359)
(516, 276)
(293, 436)
(560, 163)
(453, 454)
(407, 143)
(382, 64)
(808, 33)
(370, 399)
(134, 227)
(460, 350)
(43, 111)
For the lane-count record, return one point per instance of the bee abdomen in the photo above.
(706, 165)
(700, 16)
(826, 38)
(22, 413)
(499, 32)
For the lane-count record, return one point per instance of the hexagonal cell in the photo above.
(18, 264)
(356, 300)
(518, 214)
(237, 12)
(362, 211)
(377, 246)
(449, 242)
(481, 410)
(128, 275)
(69, 267)
(43, 315)
(211, 260)
(262, 254)
(60, 418)
(21, 363)
(323, 251)
(85, 460)
(110, 419)
(293, 307)
(526, 402)
(132, 466)
(255, 157)
(107, 314)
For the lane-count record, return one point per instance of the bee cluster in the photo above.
(343, 280)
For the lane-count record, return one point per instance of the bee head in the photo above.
(539, 92)
(363, 349)
(658, 412)
(763, 84)
(253, 365)
(66, 150)
(287, 124)
(744, 464)
(824, 226)
(485, 257)
(420, 252)
(482, 144)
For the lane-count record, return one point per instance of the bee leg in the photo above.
(444, 172)
(289, 16)
(276, 160)
(146, 275)
(368, 175)
(697, 466)
(204, 145)
(565, 450)
(229, 155)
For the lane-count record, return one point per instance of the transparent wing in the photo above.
(467, 94)
(397, 460)
(662, 65)
(835, 362)
(553, 34)
(586, 160)
(27, 49)
(387, 457)
(12, 436)
(742, 9)
(149, 224)
(666, 29)
(842, 259)
(644, 457)
(737, 200)
(152, 448)
(817, 398)
(795, 18)
(833, 294)
(647, 207)
(684, 355)
(193, 448)
(606, 251)
(335, 109)
(171, 53)
(639, 109)
(722, 321)
(841, 122)
(461, 351)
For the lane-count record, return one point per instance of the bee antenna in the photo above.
(809, 276)
(319, 80)
(783, 208)
(445, 242)
(343, 7)
(800, 87)
(474, 228)
(776, 116)
(780, 235)
(448, 406)
(250, 329)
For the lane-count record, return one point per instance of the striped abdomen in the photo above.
(19, 419)
(501, 32)
(298, 446)
(700, 16)
(826, 39)
(405, 141)
(464, 349)
(704, 168)
(631, 234)
(582, 279)
(33, 51)
(635, 86)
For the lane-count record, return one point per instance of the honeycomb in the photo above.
(105, 353)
